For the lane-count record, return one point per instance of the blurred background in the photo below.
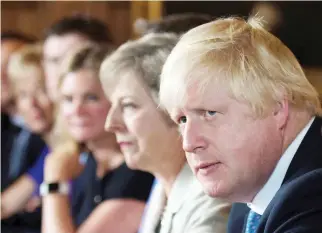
(298, 24)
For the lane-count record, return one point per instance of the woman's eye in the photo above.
(128, 106)
(92, 97)
(182, 120)
(67, 98)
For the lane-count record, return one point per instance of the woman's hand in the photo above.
(33, 204)
(63, 164)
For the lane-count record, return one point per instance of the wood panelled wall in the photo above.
(32, 17)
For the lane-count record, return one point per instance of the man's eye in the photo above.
(210, 113)
(182, 120)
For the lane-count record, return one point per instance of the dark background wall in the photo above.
(300, 28)
(33, 16)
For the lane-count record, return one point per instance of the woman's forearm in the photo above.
(57, 214)
(16, 196)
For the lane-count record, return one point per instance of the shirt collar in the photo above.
(267, 193)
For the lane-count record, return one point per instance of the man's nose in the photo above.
(192, 137)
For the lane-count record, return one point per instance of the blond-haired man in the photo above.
(250, 123)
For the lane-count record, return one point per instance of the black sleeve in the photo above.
(127, 183)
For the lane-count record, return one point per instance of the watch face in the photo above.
(53, 187)
(61, 187)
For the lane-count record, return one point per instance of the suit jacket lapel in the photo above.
(309, 155)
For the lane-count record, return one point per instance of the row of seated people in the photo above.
(108, 120)
(60, 98)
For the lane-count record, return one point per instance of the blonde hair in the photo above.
(254, 66)
(24, 60)
(143, 58)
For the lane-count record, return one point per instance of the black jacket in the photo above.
(297, 206)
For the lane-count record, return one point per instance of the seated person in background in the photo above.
(106, 195)
(176, 23)
(10, 42)
(10, 121)
(150, 141)
(251, 124)
(64, 36)
(28, 85)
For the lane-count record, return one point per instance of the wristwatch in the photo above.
(56, 187)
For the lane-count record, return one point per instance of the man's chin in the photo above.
(210, 192)
(213, 189)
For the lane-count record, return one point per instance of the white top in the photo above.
(187, 210)
(267, 193)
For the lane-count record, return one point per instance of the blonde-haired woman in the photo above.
(105, 196)
(150, 141)
(20, 200)
(27, 81)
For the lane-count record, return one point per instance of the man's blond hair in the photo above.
(254, 66)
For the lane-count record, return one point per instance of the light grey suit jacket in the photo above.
(188, 209)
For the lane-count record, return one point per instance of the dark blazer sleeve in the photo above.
(297, 208)
(128, 183)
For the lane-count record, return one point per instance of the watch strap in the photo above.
(55, 187)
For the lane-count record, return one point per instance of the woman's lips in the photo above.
(124, 144)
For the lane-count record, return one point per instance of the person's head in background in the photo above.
(176, 23)
(27, 79)
(280, 21)
(82, 101)
(240, 97)
(10, 42)
(148, 138)
(66, 35)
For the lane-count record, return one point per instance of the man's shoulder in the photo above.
(300, 190)
(296, 206)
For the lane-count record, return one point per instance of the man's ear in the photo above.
(281, 113)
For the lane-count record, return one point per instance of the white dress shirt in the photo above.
(267, 193)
